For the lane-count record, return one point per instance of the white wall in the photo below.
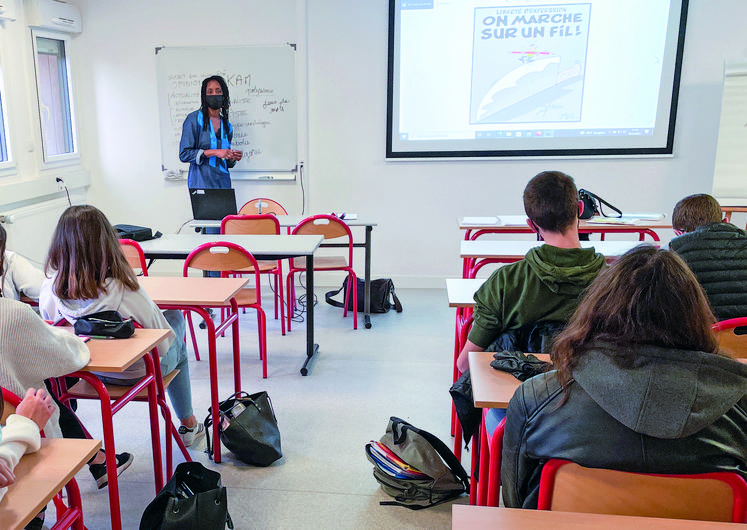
(417, 203)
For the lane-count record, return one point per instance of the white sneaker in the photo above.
(189, 436)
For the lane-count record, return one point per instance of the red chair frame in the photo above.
(320, 224)
(226, 270)
(139, 251)
(277, 272)
(732, 480)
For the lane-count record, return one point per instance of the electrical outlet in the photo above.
(60, 185)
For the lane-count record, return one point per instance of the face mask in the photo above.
(214, 102)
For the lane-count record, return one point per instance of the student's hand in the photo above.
(37, 406)
(6, 474)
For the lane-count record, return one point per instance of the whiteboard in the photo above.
(261, 85)
(730, 171)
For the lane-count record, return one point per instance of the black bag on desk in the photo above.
(440, 476)
(105, 324)
(248, 428)
(593, 205)
(136, 233)
(383, 297)
(193, 499)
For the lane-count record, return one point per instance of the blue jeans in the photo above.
(180, 389)
(492, 418)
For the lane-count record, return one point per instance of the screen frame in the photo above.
(664, 150)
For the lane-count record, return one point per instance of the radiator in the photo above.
(30, 228)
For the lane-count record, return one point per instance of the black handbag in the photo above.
(593, 205)
(105, 324)
(248, 428)
(383, 297)
(193, 499)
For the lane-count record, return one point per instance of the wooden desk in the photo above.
(516, 224)
(478, 253)
(116, 355)
(197, 294)
(290, 221)
(461, 291)
(40, 475)
(491, 388)
(268, 247)
(477, 517)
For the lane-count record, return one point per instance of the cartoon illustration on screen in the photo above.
(528, 64)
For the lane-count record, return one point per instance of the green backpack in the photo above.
(437, 476)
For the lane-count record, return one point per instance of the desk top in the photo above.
(40, 475)
(461, 291)
(470, 517)
(517, 224)
(286, 220)
(116, 355)
(483, 248)
(180, 245)
(491, 388)
(193, 290)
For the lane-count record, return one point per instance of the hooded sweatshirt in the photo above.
(545, 285)
(130, 304)
(672, 411)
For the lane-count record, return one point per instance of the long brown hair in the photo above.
(85, 252)
(648, 296)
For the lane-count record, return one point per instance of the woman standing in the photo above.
(638, 384)
(206, 138)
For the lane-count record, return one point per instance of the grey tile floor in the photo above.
(399, 367)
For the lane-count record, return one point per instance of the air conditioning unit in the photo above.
(8, 9)
(58, 15)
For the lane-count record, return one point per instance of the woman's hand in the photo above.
(6, 474)
(236, 155)
(225, 154)
(37, 406)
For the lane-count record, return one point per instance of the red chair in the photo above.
(262, 206)
(261, 224)
(732, 336)
(569, 487)
(68, 515)
(133, 252)
(330, 227)
(229, 258)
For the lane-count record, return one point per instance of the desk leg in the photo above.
(311, 348)
(367, 297)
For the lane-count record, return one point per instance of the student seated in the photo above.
(716, 252)
(638, 384)
(547, 283)
(32, 351)
(89, 273)
(21, 436)
(18, 275)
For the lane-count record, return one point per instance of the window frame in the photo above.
(9, 164)
(74, 155)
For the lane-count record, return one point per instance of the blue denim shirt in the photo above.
(205, 172)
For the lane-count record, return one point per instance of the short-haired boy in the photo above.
(548, 282)
(715, 250)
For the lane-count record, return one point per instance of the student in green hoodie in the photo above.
(547, 284)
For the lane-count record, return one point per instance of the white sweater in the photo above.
(20, 276)
(19, 436)
(130, 304)
(31, 351)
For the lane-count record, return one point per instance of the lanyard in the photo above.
(213, 160)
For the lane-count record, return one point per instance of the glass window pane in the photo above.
(54, 97)
(3, 142)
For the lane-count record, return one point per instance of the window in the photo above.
(53, 94)
(4, 142)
